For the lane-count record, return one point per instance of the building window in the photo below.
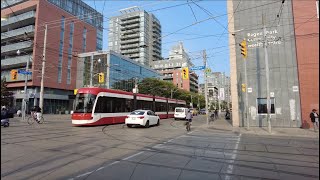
(61, 50)
(70, 53)
(84, 38)
(262, 105)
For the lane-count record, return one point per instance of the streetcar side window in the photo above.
(161, 107)
(103, 105)
(113, 105)
(147, 105)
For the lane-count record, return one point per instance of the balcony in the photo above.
(18, 21)
(130, 41)
(130, 46)
(17, 61)
(132, 31)
(128, 27)
(13, 48)
(17, 33)
(130, 18)
(10, 3)
(130, 51)
(136, 35)
(132, 21)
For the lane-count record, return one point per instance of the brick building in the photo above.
(73, 27)
(307, 52)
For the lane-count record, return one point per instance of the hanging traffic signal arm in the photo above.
(244, 50)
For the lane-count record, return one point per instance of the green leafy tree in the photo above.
(162, 88)
(6, 95)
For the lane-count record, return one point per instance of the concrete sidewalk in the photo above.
(226, 125)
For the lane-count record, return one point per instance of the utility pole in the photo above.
(267, 72)
(43, 68)
(205, 84)
(91, 70)
(24, 104)
(191, 101)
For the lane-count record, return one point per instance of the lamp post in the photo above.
(24, 104)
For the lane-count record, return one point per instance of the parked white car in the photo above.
(180, 113)
(144, 118)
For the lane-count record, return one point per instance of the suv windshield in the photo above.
(84, 103)
(137, 113)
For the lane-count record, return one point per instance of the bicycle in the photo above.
(33, 118)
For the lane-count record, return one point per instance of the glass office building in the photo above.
(119, 71)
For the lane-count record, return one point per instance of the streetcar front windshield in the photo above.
(84, 103)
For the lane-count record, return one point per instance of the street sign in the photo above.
(24, 72)
(249, 90)
(271, 94)
(198, 68)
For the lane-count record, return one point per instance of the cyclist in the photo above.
(189, 120)
(37, 111)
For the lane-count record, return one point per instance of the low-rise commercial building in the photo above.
(119, 71)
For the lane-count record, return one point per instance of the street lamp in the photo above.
(24, 105)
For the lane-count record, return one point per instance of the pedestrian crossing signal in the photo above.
(185, 73)
(101, 77)
(14, 74)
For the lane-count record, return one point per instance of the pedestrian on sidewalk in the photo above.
(314, 116)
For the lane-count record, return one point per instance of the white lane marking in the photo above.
(85, 174)
(233, 157)
(156, 146)
(133, 155)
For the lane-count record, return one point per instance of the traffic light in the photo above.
(243, 87)
(101, 77)
(185, 73)
(244, 50)
(14, 74)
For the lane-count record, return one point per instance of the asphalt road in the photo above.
(56, 150)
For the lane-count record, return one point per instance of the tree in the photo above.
(164, 88)
(6, 95)
(156, 87)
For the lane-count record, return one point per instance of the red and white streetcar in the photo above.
(99, 106)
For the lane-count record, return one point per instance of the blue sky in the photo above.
(210, 34)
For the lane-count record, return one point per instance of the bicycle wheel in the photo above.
(41, 120)
(30, 120)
